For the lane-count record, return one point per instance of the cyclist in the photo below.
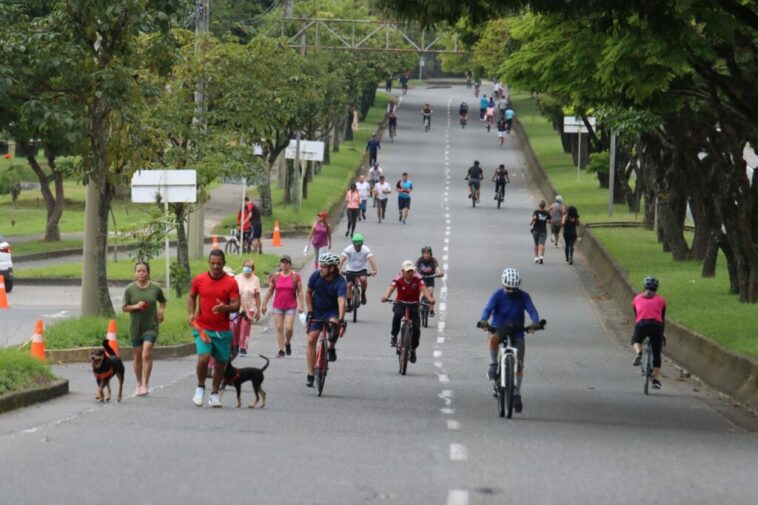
(325, 300)
(477, 87)
(410, 287)
(649, 319)
(500, 178)
(392, 124)
(356, 258)
(463, 112)
(474, 178)
(428, 267)
(426, 115)
(506, 307)
(483, 103)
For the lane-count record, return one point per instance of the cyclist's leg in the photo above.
(364, 283)
(416, 318)
(350, 280)
(656, 341)
(333, 332)
(494, 344)
(397, 315)
(478, 188)
(310, 353)
(520, 345)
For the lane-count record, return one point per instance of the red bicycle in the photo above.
(321, 365)
(405, 341)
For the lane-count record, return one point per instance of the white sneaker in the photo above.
(214, 401)
(198, 398)
(536, 259)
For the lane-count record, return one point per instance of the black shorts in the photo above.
(403, 203)
(429, 281)
(257, 230)
(474, 183)
(351, 276)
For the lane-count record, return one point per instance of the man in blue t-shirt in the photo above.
(404, 187)
(483, 104)
(509, 115)
(372, 147)
(326, 303)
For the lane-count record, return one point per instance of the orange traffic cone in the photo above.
(38, 341)
(111, 336)
(276, 240)
(215, 243)
(3, 294)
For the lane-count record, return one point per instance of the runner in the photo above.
(212, 297)
(382, 191)
(364, 189)
(373, 177)
(320, 236)
(404, 187)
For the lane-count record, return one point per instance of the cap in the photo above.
(285, 257)
(407, 265)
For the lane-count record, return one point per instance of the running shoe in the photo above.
(288, 349)
(431, 313)
(413, 356)
(215, 401)
(393, 341)
(309, 380)
(332, 353)
(637, 359)
(518, 406)
(280, 354)
(492, 372)
(138, 390)
(363, 298)
(198, 398)
(243, 352)
(657, 384)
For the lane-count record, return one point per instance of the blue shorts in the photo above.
(220, 346)
(403, 203)
(317, 322)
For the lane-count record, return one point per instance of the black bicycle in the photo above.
(500, 195)
(425, 308)
(356, 294)
(427, 121)
(504, 383)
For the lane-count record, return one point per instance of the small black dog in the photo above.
(236, 376)
(106, 364)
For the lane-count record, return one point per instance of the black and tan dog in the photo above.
(106, 364)
(236, 376)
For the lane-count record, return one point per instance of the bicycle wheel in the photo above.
(405, 348)
(356, 304)
(473, 198)
(231, 247)
(647, 367)
(499, 198)
(509, 384)
(320, 371)
(425, 315)
(500, 397)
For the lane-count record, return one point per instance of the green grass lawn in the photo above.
(327, 187)
(40, 246)
(703, 305)
(20, 371)
(124, 269)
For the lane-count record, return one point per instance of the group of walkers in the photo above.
(560, 218)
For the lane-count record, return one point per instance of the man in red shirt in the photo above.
(410, 286)
(244, 222)
(218, 297)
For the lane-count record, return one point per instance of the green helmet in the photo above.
(357, 238)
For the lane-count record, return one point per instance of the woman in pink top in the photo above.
(285, 286)
(250, 301)
(649, 318)
(353, 199)
(321, 236)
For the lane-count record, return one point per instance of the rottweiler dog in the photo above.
(236, 376)
(106, 364)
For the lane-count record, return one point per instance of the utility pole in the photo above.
(297, 183)
(197, 218)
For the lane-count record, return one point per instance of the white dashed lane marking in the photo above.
(458, 452)
(457, 497)
(454, 425)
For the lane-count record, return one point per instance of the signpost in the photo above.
(299, 150)
(166, 186)
(575, 124)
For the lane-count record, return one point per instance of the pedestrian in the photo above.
(491, 103)
(285, 286)
(382, 191)
(145, 303)
(540, 220)
(509, 115)
(353, 200)
(244, 225)
(404, 187)
(257, 227)
(364, 189)
(213, 296)
(502, 130)
(250, 301)
(388, 85)
(372, 148)
(557, 210)
(320, 236)
(373, 177)
(483, 103)
(570, 222)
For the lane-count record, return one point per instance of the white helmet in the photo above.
(511, 278)
(328, 258)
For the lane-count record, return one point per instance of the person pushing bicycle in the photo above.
(506, 307)
(649, 320)
(325, 301)
(410, 287)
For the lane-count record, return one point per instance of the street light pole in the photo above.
(612, 174)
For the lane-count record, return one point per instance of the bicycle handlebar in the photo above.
(512, 329)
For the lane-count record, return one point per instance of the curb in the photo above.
(733, 374)
(18, 399)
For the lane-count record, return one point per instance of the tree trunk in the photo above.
(703, 231)
(288, 182)
(54, 204)
(336, 136)
(327, 147)
(670, 225)
(349, 124)
(182, 245)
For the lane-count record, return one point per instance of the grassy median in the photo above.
(703, 305)
(20, 371)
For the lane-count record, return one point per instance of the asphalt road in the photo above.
(587, 434)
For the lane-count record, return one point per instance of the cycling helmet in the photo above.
(329, 259)
(407, 265)
(650, 283)
(511, 278)
(426, 248)
(357, 238)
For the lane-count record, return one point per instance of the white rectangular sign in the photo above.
(173, 186)
(574, 124)
(310, 150)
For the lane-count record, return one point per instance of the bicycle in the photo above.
(489, 123)
(232, 242)
(321, 365)
(647, 363)
(464, 120)
(393, 133)
(473, 186)
(504, 384)
(500, 195)
(427, 122)
(425, 308)
(405, 342)
(356, 295)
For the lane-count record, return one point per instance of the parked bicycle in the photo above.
(504, 384)
(232, 242)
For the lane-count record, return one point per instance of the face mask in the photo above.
(247, 270)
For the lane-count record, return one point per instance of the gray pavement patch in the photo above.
(18, 399)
